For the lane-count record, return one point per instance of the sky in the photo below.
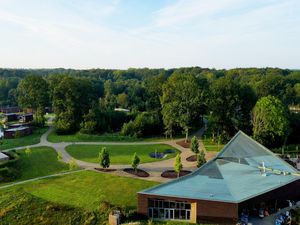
(121, 34)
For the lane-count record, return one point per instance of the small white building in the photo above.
(121, 110)
(3, 157)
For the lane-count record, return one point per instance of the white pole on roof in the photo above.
(263, 169)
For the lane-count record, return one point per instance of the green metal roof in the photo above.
(232, 176)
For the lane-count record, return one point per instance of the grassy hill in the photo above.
(41, 161)
(80, 198)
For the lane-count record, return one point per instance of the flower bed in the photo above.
(138, 172)
(172, 174)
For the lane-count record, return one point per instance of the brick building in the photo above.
(243, 176)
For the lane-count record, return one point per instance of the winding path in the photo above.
(153, 168)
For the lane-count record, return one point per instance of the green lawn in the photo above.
(19, 207)
(210, 145)
(23, 141)
(41, 162)
(213, 148)
(112, 137)
(87, 189)
(119, 154)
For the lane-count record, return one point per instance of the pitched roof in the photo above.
(3, 156)
(234, 175)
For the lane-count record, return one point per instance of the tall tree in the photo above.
(230, 106)
(72, 98)
(33, 93)
(181, 101)
(270, 123)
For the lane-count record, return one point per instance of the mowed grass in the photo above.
(119, 154)
(23, 141)
(41, 161)
(110, 137)
(86, 189)
(210, 145)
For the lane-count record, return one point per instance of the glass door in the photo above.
(171, 214)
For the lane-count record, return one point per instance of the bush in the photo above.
(104, 158)
(195, 145)
(135, 161)
(201, 159)
(145, 124)
(9, 174)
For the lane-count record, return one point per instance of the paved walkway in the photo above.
(154, 168)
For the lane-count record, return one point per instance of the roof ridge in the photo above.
(269, 151)
(228, 188)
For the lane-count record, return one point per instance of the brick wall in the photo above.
(207, 211)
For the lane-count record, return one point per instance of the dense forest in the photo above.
(169, 102)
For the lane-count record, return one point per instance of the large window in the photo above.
(169, 210)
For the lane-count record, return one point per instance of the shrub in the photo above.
(104, 158)
(135, 161)
(195, 145)
(201, 159)
(145, 124)
(73, 164)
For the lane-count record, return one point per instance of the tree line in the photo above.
(160, 101)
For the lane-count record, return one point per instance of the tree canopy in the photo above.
(269, 120)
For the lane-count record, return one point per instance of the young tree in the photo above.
(178, 165)
(104, 158)
(135, 161)
(195, 145)
(201, 159)
(73, 164)
(270, 121)
(28, 151)
(59, 156)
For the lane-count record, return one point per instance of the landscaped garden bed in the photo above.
(137, 172)
(172, 174)
(192, 158)
(105, 170)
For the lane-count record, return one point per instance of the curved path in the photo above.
(153, 168)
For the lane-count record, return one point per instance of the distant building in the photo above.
(11, 133)
(121, 110)
(243, 176)
(10, 117)
(12, 109)
(26, 118)
(294, 109)
(3, 157)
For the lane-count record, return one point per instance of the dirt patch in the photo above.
(173, 174)
(105, 170)
(184, 144)
(192, 158)
(138, 172)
